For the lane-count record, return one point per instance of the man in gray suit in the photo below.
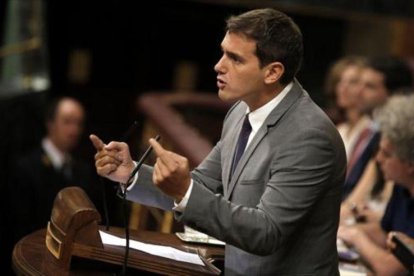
(271, 187)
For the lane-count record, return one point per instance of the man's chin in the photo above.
(225, 96)
(70, 147)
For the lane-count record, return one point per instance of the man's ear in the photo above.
(273, 72)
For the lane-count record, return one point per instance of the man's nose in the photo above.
(219, 67)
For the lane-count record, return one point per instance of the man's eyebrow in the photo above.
(233, 55)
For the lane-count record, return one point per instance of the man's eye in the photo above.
(236, 59)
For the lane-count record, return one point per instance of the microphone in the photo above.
(124, 202)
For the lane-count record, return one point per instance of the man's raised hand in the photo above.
(112, 161)
(171, 172)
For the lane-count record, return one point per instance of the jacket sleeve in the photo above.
(145, 192)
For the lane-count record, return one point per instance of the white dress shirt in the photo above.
(57, 158)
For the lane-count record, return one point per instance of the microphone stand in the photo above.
(124, 202)
(125, 138)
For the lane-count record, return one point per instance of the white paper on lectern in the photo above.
(157, 250)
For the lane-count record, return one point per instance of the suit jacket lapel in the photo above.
(270, 121)
(230, 154)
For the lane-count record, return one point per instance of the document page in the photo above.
(157, 250)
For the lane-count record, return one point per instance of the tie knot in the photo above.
(246, 128)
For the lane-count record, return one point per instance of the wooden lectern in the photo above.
(73, 231)
(73, 228)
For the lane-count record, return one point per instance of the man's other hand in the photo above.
(171, 172)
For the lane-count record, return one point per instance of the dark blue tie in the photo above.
(241, 143)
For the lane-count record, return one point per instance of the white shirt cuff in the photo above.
(134, 180)
(180, 206)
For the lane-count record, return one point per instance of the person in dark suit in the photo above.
(38, 177)
(271, 187)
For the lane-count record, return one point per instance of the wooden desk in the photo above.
(29, 257)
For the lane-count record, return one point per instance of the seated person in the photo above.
(364, 185)
(369, 198)
(403, 251)
(342, 85)
(396, 159)
(37, 177)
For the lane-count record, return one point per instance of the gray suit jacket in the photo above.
(279, 212)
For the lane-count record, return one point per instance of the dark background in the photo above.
(135, 47)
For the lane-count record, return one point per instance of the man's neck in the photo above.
(57, 145)
(267, 96)
(56, 155)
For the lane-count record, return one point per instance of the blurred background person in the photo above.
(37, 177)
(365, 188)
(382, 77)
(342, 85)
(396, 159)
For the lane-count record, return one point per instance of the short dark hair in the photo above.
(397, 73)
(277, 38)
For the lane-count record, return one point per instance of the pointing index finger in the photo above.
(97, 142)
(159, 150)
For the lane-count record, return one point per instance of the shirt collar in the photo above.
(257, 117)
(55, 155)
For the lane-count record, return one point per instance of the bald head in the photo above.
(64, 121)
